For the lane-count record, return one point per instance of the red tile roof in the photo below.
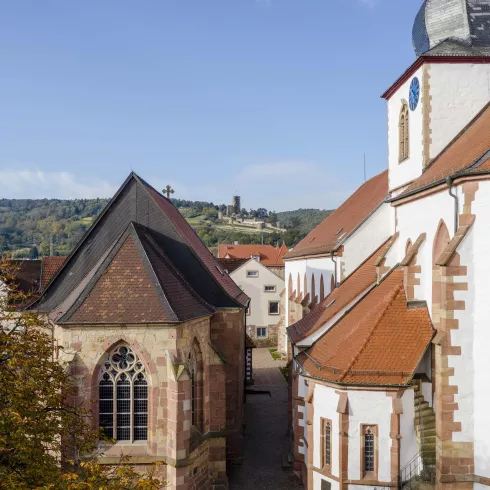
(463, 155)
(381, 341)
(50, 266)
(345, 219)
(357, 282)
(269, 255)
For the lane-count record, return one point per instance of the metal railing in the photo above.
(412, 475)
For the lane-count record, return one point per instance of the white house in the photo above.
(390, 369)
(264, 288)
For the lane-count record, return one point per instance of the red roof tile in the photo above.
(381, 341)
(357, 282)
(345, 219)
(50, 266)
(269, 255)
(461, 155)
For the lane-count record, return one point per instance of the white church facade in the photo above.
(386, 300)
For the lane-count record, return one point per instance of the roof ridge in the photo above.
(389, 299)
(174, 270)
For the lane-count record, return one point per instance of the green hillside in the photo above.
(40, 223)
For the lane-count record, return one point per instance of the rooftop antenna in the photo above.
(365, 168)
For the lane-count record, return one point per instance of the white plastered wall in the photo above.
(302, 393)
(254, 289)
(367, 238)
(475, 251)
(409, 169)
(370, 408)
(459, 91)
(409, 446)
(423, 216)
(312, 267)
(325, 401)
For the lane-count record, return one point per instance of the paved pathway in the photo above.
(266, 437)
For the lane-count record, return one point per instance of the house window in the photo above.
(403, 134)
(123, 396)
(261, 332)
(273, 307)
(369, 449)
(270, 289)
(327, 442)
(252, 273)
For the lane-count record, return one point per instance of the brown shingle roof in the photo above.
(380, 341)
(50, 266)
(231, 265)
(462, 155)
(269, 255)
(136, 284)
(345, 219)
(357, 282)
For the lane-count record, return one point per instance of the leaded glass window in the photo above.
(123, 396)
(369, 450)
(328, 443)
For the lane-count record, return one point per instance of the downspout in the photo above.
(335, 276)
(449, 182)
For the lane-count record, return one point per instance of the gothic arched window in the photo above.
(369, 448)
(123, 396)
(403, 134)
(195, 370)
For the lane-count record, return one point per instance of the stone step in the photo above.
(424, 412)
(426, 424)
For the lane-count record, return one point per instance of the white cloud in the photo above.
(37, 184)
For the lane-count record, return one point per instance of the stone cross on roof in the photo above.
(168, 191)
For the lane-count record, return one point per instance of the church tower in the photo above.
(443, 90)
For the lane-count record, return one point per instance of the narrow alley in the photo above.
(266, 440)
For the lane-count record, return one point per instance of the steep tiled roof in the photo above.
(466, 154)
(136, 284)
(50, 266)
(138, 205)
(381, 341)
(27, 274)
(357, 282)
(345, 219)
(269, 255)
(195, 243)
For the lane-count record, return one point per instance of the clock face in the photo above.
(414, 93)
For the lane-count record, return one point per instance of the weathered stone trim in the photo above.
(426, 115)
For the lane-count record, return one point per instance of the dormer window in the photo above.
(403, 134)
(256, 257)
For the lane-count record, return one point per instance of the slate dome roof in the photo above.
(452, 28)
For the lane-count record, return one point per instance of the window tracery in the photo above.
(123, 396)
(403, 133)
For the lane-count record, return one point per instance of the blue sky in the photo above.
(276, 100)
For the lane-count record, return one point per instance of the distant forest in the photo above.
(38, 227)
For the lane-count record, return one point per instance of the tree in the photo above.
(273, 219)
(295, 222)
(37, 423)
(33, 253)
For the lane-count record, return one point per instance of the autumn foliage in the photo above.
(45, 442)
